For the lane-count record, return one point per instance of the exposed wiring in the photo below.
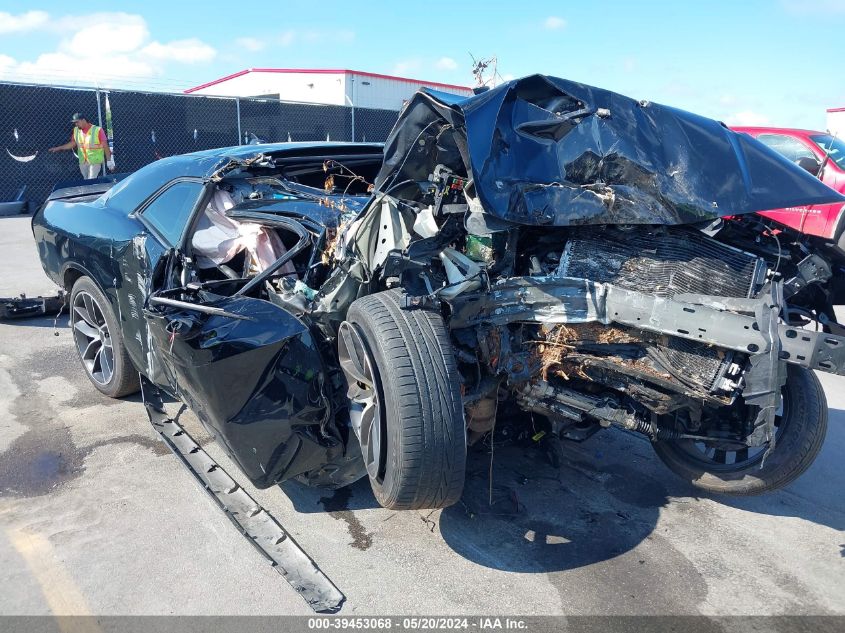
(352, 176)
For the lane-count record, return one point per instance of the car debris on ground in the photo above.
(22, 307)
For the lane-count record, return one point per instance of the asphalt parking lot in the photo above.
(98, 517)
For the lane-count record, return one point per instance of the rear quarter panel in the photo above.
(91, 239)
(84, 236)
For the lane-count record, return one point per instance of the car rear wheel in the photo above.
(800, 429)
(405, 402)
(99, 342)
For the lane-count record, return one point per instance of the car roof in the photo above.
(131, 191)
(204, 163)
(289, 148)
(759, 129)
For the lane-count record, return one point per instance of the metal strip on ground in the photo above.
(253, 521)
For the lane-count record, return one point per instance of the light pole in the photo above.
(352, 105)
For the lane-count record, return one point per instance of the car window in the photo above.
(170, 211)
(790, 147)
(836, 147)
(130, 192)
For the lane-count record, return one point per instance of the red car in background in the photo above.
(822, 155)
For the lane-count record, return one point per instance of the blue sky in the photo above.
(776, 62)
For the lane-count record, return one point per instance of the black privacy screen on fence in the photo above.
(35, 118)
(149, 126)
(277, 121)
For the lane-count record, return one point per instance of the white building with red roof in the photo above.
(325, 86)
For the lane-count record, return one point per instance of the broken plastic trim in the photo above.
(236, 163)
(253, 521)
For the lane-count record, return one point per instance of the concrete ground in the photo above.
(96, 516)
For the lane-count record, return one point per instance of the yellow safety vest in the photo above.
(90, 150)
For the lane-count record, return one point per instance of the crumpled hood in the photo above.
(548, 151)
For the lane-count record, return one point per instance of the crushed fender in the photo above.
(253, 521)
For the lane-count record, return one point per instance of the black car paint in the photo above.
(550, 152)
(262, 384)
(258, 384)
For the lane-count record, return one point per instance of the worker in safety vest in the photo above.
(92, 147)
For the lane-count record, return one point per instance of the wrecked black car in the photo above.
(547, 251)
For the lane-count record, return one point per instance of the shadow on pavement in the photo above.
(46, 321)
(603, 502)
(544, 519)
(357, 496)
(817, 495)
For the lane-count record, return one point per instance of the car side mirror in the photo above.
(809, 164)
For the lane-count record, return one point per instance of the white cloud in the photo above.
(61, 67)
(117, 48)
(629, 64)
(22, 22)
(189, 51)
(112, 33)
(7, 66)
(252, 44)
(748, 117)
(554, 23)
(108, 48)
(446, 63)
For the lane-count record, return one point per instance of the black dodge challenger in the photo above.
(545, 251)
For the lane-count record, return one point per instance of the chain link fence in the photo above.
(144, 127)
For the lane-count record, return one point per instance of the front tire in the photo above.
(405, 397)
(99, 341)
(801, 429)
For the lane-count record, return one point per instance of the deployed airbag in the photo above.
(219, 238)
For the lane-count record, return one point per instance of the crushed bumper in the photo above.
(736, 324)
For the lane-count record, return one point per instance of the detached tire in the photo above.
(418, 458)
(801, 429)
(99, 341)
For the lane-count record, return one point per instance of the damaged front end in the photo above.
(598, 262)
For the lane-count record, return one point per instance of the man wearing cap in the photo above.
(91, 146)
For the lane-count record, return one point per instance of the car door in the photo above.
(144, 261)
(254, 374)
